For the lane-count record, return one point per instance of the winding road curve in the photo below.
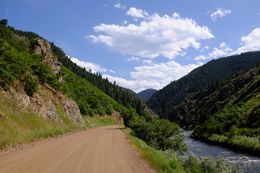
(98, 150)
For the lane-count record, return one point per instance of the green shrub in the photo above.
(45, 75)
(30, 85)
(192, 165)
(159, 133)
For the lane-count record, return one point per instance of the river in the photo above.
(247, 163)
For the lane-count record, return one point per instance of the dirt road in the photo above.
(97, 150)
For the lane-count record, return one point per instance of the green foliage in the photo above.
(89, 98)
(17, 62)
(161, 134)
(30, 85)
(159, 160)
(45, 75)
(216, 165)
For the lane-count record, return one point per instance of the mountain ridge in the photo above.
(146, 94)
(204, 76)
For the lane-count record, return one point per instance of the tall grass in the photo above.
(20, 126)
(96, 121)
(158, 160)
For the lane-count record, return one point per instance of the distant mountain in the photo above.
(167, 102)
(146, 94)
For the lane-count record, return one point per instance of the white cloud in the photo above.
(136, 13)
(153, 36)
(221, 51)
(201, 58)
(153, 76)
(250, 42)
(120, 6)
(88, 65)
(219, 13)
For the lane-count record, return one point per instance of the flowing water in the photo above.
(248, 163)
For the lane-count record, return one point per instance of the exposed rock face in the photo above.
(43, 48)
(46, 102)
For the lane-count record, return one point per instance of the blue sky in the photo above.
(141, 43)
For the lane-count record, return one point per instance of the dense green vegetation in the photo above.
(158, 133)
(146, 94)
(166, 101)
(17, 63)
(234, 118)
(90, 99)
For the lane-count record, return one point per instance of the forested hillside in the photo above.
(227, 113)
(121, 95)
(165, 101)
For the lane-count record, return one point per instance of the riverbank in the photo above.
(243, 144)
(202, 149)
(170, 162)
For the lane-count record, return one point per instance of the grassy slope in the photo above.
(89, 98)
(20, 126)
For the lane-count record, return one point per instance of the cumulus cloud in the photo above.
(136, 13)
(201, 58)
(221, 51)
(152, 36)
(119, 6)
(250, 42)
(219, 13)
(88, 65)
(153, 76)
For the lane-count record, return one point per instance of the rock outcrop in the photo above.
(47, 103)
